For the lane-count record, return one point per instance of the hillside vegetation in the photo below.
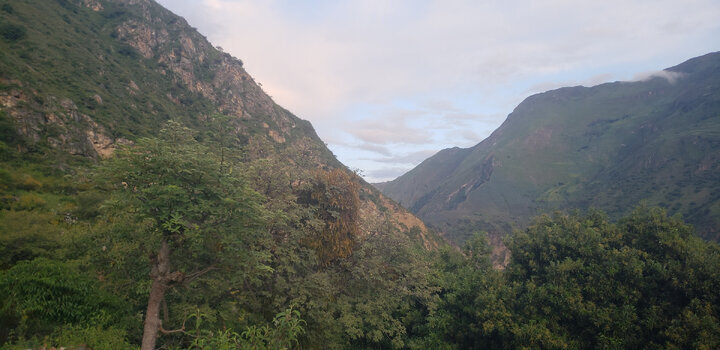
(153, 196)
(611, 146)
(144, 171)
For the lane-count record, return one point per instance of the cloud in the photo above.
(385, 136)
(444, 106)
(413, 158)
(317, 58)
(670, 76)
(388, 131)
(402, 76)
(386, 173)
(375, 148)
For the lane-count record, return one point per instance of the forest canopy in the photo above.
(198, 245)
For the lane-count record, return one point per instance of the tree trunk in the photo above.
(159, 275)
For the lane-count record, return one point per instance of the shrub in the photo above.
(27, 182)
(12, 33)
(41, 295)
(29, 201)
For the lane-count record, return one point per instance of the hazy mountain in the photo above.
(610, 146)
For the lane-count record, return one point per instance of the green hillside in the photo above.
(610, 146)
(80, 78)
(142, 169)
(152, 196)
(120, 71)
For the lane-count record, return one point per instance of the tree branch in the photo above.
(193, 276)
(181, 329)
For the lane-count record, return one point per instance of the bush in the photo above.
(41, 295)
(287, 327)
(29, 201)
(93, 337)
(88, 204)
(27, 182)
(7, 8)
(12, 33)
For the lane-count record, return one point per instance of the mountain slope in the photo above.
(79, 78)
(610, 146)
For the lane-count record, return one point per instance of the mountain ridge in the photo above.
(123, 67)
(580, 147)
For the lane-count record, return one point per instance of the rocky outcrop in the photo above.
(202, 68)
(58, 122)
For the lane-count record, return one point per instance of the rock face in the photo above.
(168, 40)
(611, 147)
(92, 75)
(59, 123)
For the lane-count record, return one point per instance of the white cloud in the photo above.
(412, 158)
(459, 66)
(374, 148)
(386, 173)
(670, 76)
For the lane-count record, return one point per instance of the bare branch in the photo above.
(194, 275)
(179, 330)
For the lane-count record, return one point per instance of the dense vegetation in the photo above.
(203, 244)
(219, 251)
(581, 282)
(212, 230)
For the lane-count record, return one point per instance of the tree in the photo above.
(644, 282)
(473, 311)
(335, 193)
(195, 214)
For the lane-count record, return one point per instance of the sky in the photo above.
(386, 84)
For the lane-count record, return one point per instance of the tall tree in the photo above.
(335, 193)
(197, 215)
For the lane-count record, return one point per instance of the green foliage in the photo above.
(91, 336)
(283, 334)
(582, 282)
(254, 231)
(27, 235)
(8, 131)
(376, 297)
(42, 294)
(387, 290)
(88, 204)
(237, 256)
(12, 32)
(174, 192)
(335, 194)
(475, 302)
(187, 197)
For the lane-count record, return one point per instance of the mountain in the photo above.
(612, 146)
(153, 196)
(148, 182)
(80, 78)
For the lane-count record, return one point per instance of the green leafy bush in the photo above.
(93, 337)
(583, 282)
(286, 327)
(41, 295)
